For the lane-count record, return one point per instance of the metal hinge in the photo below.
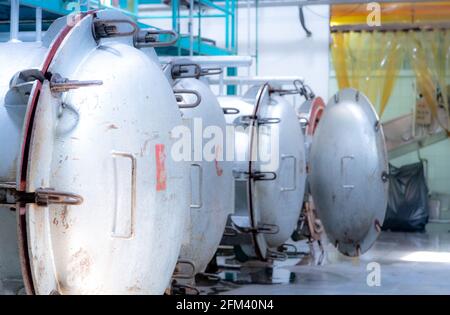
(42, 197)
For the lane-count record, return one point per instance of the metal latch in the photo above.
(255, 175)
(246, 120)
(263, 228)
(152, 38)
(109, 28)
(58, 84)
(299, 88)
(192, 70)
(42, 197)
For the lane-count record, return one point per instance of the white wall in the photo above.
(284, 49)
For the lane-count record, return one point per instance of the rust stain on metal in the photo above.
(219, 170)
(161, 175)
(135, 288)
(64, 220)
(80, 265)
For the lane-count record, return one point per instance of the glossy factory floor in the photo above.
(409, 263)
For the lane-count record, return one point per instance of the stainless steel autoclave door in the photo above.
(349, 172)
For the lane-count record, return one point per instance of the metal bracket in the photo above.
(42, 197)
(25, 76)
(150, 38)
(58, 84)
(108, 28)
(180, 98)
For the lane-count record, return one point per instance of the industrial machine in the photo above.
(269, 169)
(96, 198)
(347, 162)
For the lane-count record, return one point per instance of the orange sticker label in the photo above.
(161, 176)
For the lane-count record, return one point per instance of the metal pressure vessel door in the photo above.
(349, 172)
(109, 201)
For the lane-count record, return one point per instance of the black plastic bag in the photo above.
(407, 209)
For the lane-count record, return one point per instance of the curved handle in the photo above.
(108, 28)
(294, 172)
(131, 233)
(150, 38)
(180, 98)
(180, 275)
(344, 173)
(196, 183)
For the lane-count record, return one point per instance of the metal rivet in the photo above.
(377, 125)
(384, 177)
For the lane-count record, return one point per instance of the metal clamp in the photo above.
(180, 98)
(192, 70)
(150, 38)
(263, 228)
(108, 28)
(260, 176)
(58, 84)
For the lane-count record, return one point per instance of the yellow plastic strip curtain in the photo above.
(369, 62)
(338, 52)
(391, 65)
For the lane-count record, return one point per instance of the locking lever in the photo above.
(42, 197)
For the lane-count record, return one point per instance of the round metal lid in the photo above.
(109, 146)
(348, 175)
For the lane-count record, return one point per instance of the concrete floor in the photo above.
(410, 263)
